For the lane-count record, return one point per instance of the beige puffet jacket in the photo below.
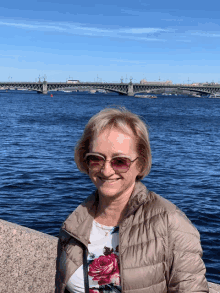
(159, 248)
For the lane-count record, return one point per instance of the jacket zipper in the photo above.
(120, 263)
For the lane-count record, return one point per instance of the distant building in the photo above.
(209, 83)
(72, 81)
(168, 82)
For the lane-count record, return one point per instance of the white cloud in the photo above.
(144, 34)
(32, 26)
(148, 30)
(206, 34)
(80, 29)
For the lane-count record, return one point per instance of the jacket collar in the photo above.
(137, 198)
(79, 223)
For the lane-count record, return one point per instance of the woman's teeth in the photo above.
(109, 180)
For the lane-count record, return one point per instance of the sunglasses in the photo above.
(95, 162)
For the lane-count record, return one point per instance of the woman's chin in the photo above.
(108, 191)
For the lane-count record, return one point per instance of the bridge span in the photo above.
(129, 89)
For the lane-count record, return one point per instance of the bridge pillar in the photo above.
(45, 87)
(130, 89)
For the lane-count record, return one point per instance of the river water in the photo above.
(40, 184)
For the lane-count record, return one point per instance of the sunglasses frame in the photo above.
(101, 156)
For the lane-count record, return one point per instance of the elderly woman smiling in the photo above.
(124, 238)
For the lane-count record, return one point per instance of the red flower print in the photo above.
(115, 279)
(93, 291)
(105, 270)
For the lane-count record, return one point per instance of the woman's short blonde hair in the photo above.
(123, 120)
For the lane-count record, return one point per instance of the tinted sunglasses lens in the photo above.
(94, 162)
(121, 164)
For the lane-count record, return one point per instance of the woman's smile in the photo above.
(108, 180)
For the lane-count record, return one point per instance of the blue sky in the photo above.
(166, 40)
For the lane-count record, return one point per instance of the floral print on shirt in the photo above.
(104, 269)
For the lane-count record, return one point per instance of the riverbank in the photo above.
(28, 260)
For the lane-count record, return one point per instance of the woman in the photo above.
(124, 238)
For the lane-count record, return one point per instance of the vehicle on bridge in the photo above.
(73, 81)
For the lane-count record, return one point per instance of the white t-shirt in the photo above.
(103, 262)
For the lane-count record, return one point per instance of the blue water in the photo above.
(40, 184)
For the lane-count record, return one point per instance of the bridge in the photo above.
(129, 89)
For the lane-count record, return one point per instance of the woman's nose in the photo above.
(107, 169)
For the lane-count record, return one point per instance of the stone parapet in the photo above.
(28, 260)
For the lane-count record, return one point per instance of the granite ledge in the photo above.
(28, 260)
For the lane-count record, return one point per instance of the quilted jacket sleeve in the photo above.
(187, 269)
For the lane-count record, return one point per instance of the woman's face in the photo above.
(109, 144)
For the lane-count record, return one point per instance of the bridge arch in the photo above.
(182, 89)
